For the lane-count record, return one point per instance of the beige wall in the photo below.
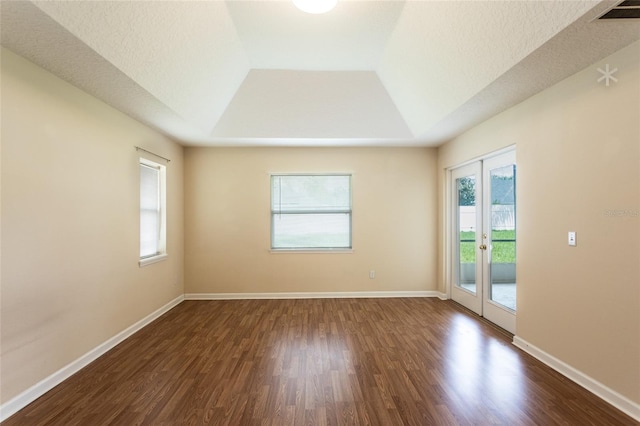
(227, 221)
(578, 154)
(70, 275)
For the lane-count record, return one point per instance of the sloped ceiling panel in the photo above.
(187, 54)
(312, 104)
(443, 53)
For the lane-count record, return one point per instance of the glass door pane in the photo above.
(466, 232)
(466, 218)
(502, 289)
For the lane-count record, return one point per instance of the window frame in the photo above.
(161, 254)
(274, 213)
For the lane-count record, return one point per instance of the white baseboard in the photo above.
(34, 392)
(621, 402)
(311, 295)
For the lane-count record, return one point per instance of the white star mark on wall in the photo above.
(607, 75)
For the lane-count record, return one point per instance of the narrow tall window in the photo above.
(152, 212)
(310, 212)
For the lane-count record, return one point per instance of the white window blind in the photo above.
(150, 210)
(311, 212)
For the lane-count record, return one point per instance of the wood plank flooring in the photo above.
(318, 362)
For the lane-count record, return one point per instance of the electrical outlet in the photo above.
(372, 274)
(572, 238)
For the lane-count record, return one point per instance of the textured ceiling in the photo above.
(263, 73)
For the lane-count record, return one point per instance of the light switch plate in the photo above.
(572, 238)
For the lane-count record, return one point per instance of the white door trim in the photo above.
(449, 223)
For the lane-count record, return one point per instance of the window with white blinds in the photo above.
(152, 211)
(311, 212)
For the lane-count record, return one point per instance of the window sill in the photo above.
(149, 260)
(311, 251)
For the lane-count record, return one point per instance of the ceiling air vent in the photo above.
(628, 9)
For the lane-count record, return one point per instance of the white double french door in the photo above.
(483, 238)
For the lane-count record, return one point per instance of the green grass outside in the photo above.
(503, 252)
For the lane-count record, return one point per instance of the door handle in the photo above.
(483, 247)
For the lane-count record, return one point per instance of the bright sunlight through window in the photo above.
(311, 212)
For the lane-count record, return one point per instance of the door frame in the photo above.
(450, 222)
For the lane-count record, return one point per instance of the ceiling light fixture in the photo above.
(315, 6)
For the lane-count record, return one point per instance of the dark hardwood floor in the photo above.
(315, 362)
